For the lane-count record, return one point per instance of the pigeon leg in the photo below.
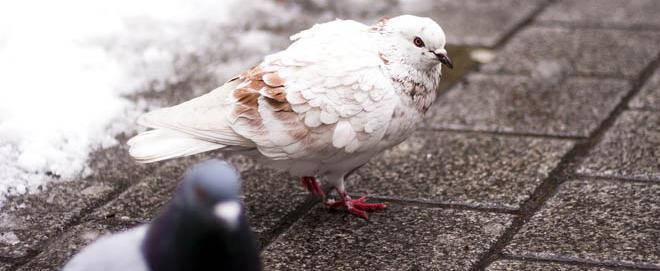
(312, 185)
(357, 207)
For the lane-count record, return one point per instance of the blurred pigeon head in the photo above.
(211, 191)
(205, 227)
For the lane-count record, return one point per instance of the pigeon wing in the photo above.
(326, 94)
(201, 118)
(118, 252)
(196, 126)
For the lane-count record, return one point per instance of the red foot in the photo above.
(358, 207)
(312, 185)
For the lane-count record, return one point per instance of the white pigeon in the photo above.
(341, 93)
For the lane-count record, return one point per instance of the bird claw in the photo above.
(358, 207)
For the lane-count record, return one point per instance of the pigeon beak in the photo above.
(228, 212)
(441, 54)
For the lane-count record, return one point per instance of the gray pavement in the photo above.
(603, 13)
(595, 220)
(561, 106)
(511, 265)
(629, 150)
(546, 158)
(465, 169)
(405, 237)
(649, 96)
(592, 52)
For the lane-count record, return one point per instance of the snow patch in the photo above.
(66, 65)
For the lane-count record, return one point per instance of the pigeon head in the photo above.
(417, 41)
(204, 225)
(210, 190)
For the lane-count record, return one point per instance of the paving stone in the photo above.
(28, 220)
(144, 200)
(572, 107)
(511, 265)
(5, 266)
(60, 250)
(267, 194)
(596, 220)
(474, 22)
(403, 237)
(269, 197)
(482, 170)
(629, 149)
(649, 95)
(587, 52)
(323, 11)
(630, 13)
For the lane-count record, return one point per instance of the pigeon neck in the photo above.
(418, 87)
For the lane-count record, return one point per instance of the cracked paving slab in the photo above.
(615, 13)
(649, 96)
(513, 265)
(606, 53)
(598, 221)
(630, 149)
(471, 169)
(572, 106)
(403, 237)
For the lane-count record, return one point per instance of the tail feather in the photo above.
(161, 144)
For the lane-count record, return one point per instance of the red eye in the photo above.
(418, 42)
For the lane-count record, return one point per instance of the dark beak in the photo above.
(444, 59)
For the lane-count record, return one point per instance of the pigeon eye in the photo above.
(418, 42)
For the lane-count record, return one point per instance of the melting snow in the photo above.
(65, 65)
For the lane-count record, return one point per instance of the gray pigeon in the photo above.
(204, 228)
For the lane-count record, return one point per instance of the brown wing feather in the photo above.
(258, 92)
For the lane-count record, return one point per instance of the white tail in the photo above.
(161, 144)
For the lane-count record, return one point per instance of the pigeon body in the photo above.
(204, 228)
(121, 251)
(340, 94)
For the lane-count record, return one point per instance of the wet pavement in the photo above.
(545, 158)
